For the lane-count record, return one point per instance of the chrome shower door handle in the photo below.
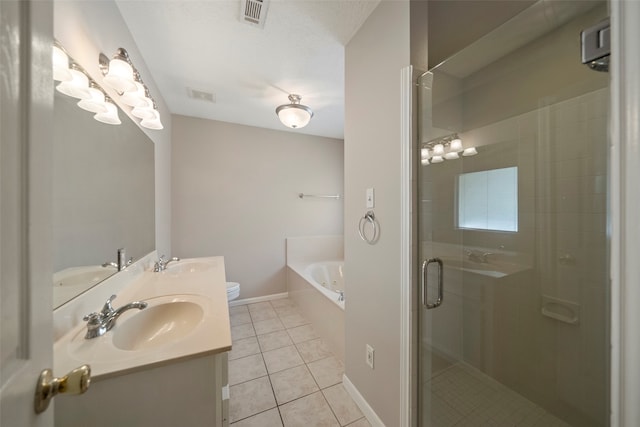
(438, 301)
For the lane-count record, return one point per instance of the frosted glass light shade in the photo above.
(424, 153)
(438, 150)
(153, 123)
(294, 115)
(437, 159)
(144, 110)
(60, 62)
(109, 117)
(94, 104)
(469, 152)
(77, 87)
(135, 97)
(455, 145)
(120, 76)
(424, 161)
(452, 155)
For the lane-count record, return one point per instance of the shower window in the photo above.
(488, 200)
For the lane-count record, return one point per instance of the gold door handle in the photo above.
(75, 382)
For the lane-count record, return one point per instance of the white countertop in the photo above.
(206, 288)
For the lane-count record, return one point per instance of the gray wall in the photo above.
(235, 193)
(374, 59)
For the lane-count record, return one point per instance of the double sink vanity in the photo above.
(164, 360)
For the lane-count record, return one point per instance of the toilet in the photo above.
(233, 290)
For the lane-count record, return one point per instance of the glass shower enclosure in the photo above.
(512, 228)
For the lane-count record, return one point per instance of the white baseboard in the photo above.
(258, 299)
(368, 412)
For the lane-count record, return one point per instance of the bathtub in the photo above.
(315, 287)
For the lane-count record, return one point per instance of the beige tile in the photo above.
(292, 320)
(343, 406)
(250, 398)
(308, 411)
(263, 314)
(302, 333)
(259, 306)
(242, 331)
(282, 302)
(238, 309)
(313, 350)
(244, 347)
(239, 318)
(362, 422)
(270, 418)
(286, 310)
(327, 372)
(282, 358)
(266, 326)
(246, 368)
(292, 383)
(274, 340)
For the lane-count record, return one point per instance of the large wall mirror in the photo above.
(103, 197)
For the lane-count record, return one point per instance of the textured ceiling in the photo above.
(203, 45)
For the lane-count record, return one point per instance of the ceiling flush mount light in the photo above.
(294, 115)
(446, 148)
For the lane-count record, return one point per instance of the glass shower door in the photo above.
(512, 208)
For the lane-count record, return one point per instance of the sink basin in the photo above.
(157, 325)
(188, 266)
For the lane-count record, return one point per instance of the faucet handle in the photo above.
(108, 308)
(93, 318)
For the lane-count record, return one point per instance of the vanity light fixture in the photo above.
(96, 103)
(120, 74)
(60, 61)
(78, 86)
(110, 116)
(294, 115)
(448, 147)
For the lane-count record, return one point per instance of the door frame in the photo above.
(623, 210)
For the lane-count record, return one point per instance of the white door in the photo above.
(26, 102)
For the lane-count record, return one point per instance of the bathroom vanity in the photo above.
(162, 365)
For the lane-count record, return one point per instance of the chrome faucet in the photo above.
(161, 264)
(110, 264)
(340, 295)
(99, 323)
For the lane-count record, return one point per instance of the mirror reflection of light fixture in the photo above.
(78, 86)
(109, 117)
(294, 115)
(154, 122)
(448, 147)
(96, 103)
(60, 61)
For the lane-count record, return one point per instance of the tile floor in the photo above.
(463, 396)
(281, 373)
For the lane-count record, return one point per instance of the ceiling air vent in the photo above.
(254, 12)
(201, 95)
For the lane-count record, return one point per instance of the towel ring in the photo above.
(368, 218)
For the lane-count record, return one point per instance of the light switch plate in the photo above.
(370, 198)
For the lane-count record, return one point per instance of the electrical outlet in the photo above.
(370, 352)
